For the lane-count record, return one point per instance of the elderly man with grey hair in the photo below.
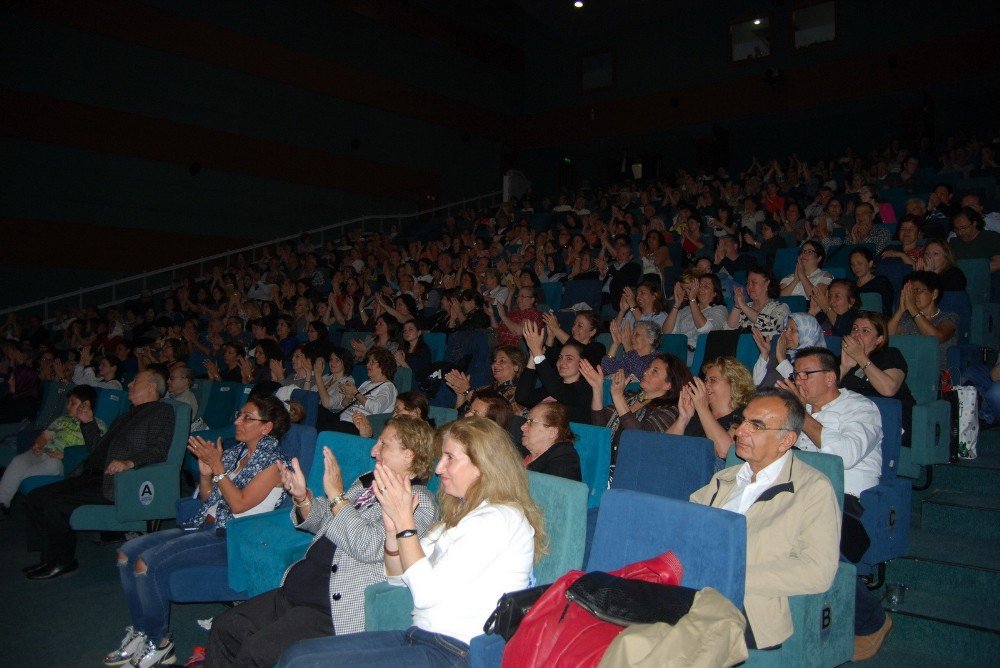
(793, 520)
(140, 437)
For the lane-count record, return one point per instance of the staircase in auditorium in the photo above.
(950, 612)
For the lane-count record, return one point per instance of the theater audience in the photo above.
(375, 395)
(138, 438)
(808, 272)
(105, 375)
(863, 268)
(583, 331)
(639, 343)
(870, 367)
(508, 364)
(940, 259)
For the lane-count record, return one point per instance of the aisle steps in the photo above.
(950, 613)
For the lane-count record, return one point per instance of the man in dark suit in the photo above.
(622, 273)
(140, 437)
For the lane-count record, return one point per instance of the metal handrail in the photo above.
(173, 269)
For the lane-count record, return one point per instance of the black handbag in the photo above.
(511, 609)
(622, 601)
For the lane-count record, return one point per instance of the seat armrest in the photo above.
(260, 548)
(147, 493)
(387, 607)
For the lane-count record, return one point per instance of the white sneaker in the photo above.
(131, 643)
(150, 655)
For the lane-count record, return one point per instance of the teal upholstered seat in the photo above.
(931, 417)
(593, 444)
(262, 546)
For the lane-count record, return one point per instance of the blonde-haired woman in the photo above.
(715, 400)
(489, 535)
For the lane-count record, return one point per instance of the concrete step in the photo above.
(952, 512)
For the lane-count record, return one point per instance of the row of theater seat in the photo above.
(631, 524)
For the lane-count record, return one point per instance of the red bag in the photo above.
(555, 634)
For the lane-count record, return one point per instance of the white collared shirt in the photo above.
(852, 430)
(748, 489)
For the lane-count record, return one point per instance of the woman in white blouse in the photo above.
(808, 272)
(698, 309)
(375, 395)
(490, 534)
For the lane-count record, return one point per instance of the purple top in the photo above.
(633, 363)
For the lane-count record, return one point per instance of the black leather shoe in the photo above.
(35, 567)
(54, 571)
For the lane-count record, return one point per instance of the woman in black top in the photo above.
(414, 354)
(546, 436)
(235, 367)
(835, 306)
(939, 258)
(863, 268)
(870, 367)
(584, 332)
(561, 382)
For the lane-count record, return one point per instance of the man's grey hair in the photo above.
(795, 412)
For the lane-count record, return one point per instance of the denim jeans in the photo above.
(413, 648)
(163, 552)
(869, 616)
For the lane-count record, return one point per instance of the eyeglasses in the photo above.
(804, 375)
(807, 251)
(756, 425)
(245, 417)
(533, 421)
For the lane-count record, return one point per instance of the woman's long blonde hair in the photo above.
(502, 480)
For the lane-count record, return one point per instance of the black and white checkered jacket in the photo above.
(359, 535)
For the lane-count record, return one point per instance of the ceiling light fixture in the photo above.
(756, 22)
(578, 4)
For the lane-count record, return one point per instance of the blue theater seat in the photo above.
(887, 505)
(663, 464)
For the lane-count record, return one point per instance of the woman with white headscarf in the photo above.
(801, 331)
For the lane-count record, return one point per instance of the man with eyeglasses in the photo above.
(844, 423)
(138, 438)
(793, 522)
